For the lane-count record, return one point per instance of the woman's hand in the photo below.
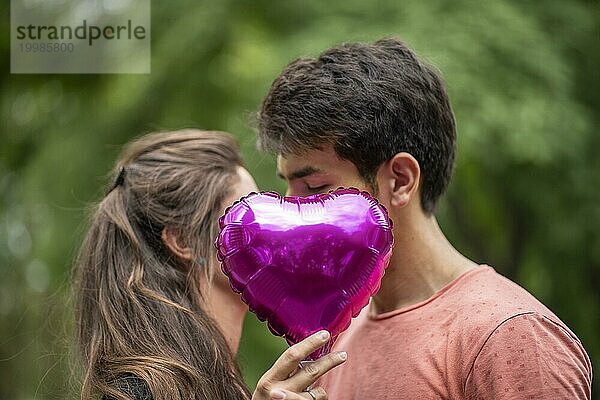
(285, 381)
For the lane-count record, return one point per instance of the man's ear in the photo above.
(402, 176)
(172, 239)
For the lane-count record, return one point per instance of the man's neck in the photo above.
(422, 263)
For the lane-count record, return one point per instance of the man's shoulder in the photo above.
(547, 352)
(486, 299)
(466, 312)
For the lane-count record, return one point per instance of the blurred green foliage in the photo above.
(523, 79)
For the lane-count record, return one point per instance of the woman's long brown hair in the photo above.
(139, 308)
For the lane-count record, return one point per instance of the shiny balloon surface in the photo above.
(305, 263)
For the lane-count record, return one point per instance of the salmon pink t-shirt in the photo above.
(480, 337)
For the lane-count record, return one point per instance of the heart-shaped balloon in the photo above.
(305, 263)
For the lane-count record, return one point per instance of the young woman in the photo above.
(156, 317)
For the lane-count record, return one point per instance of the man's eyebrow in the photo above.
(300, 173)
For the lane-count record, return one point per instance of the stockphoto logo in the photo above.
(80, 36)
(87, 32)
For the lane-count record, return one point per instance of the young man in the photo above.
(375, 117)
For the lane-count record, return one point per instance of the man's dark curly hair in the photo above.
(370, 101)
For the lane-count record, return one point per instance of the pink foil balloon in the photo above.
(305, 263)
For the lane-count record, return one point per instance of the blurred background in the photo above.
(523, 80)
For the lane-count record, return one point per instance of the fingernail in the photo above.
(323, 335)
(277, 394)
(343, 355)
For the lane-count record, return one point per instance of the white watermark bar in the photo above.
(80, 36)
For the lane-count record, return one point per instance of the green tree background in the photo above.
(523, 79)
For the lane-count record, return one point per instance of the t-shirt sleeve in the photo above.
(530, 357)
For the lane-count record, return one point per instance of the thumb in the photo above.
(282, 394)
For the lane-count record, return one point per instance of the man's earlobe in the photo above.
(172, 239)
(405, 174)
